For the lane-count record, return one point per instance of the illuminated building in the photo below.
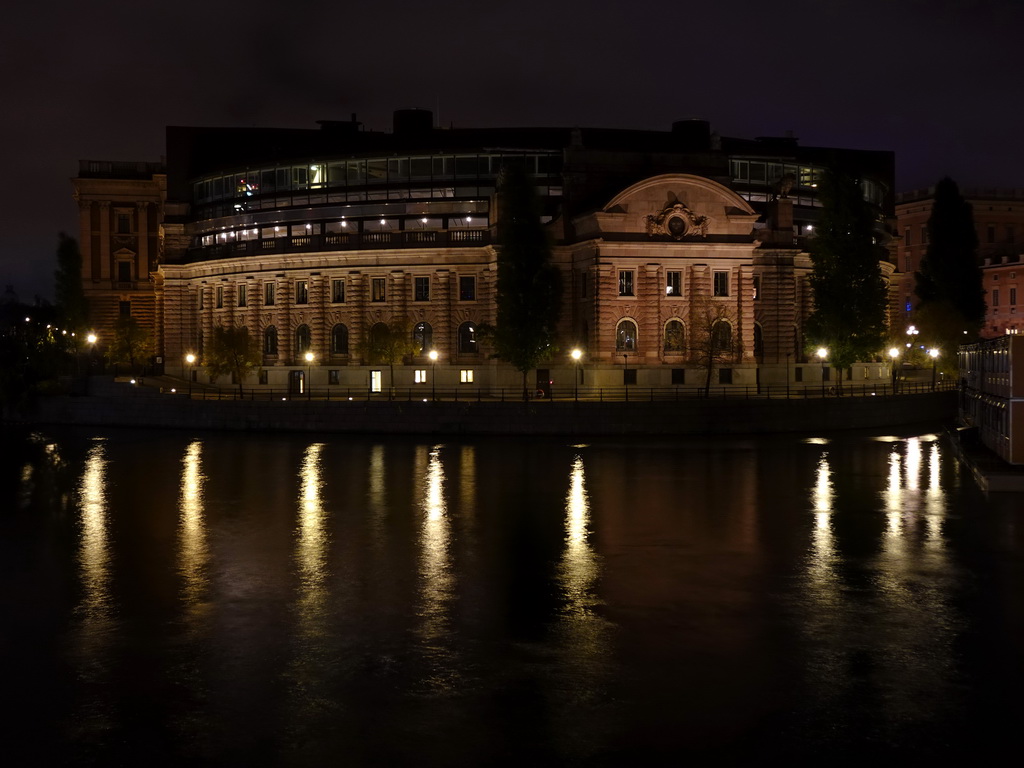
(310, 238)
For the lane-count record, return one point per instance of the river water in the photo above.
(220, 599)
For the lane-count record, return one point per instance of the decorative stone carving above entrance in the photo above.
(677, 221)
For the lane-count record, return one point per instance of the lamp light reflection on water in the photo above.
(311, 544)
(194, 554)
(435, 571)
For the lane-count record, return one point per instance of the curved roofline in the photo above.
(688, 178)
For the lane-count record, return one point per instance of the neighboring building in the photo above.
(311, 238)
(999, 224)
(992, 394)
(120, 215)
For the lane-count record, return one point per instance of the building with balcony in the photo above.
(314, 238)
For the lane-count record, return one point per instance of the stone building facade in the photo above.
(310, 239)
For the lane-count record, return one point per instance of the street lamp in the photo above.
(934, 354)
(309, 375)
(433, 379)
(822, 354)
(576, 354)
(190, 359)
(894, 352)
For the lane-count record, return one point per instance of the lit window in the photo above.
(377, 289)
(466, 375)
(721, 284)
(301, 292)
(673, 283)
(467, 338)
(625, 282)
(419, 376)
(625, 336)
(375, 381)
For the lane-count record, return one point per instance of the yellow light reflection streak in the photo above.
(820, 567)
(95, 551)
(311, 545)
(435, 569)
(193, 550)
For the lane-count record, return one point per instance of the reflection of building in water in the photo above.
(193, 547)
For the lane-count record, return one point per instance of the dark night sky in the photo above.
(937, 81)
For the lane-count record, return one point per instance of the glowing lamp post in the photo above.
(933, 353)
(822, 355)
(190, 359)
(894, 352)
(309, 375)
(576, 355)
(433, 377)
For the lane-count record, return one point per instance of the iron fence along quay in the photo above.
(632, 393)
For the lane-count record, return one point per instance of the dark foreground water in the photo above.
(215, 599)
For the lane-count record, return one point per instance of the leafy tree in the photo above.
(850, 295)
(232, 351)
(712, 338)
(387, 344)
(949, 284)
(529, 288)
(72, 306)
(131, 343)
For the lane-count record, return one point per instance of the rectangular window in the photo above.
(242, 297)
(995, 297)
(678, 375)
(333, 376)
(625, 282)
(302, 292)
(467, 288)
(826, 373)
(673, 283)
(376, 380)
(264, 377)
(725, 375)
(757, 286)
(990, 233)
(269, 294)
(202, 297)
(907, 237)
(1013, 297)
(420, 376)
(466, 376)
(421, 289)
(124, 308)
(798, 374)
(220, 297)
(721, 284)
(124, 271)
(377, 292)
(124, 223)
(338, 291)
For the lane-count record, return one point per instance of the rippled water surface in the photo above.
(171, 598)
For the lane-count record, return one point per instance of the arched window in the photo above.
(339, 339)
(422, 338)
(625, 336)
(721, 337)
(674, 337)
(758, 343)
(270, 340)
(378, 335)
(303, 340)
(467, 338)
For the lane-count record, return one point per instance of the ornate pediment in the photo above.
(677, 221)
